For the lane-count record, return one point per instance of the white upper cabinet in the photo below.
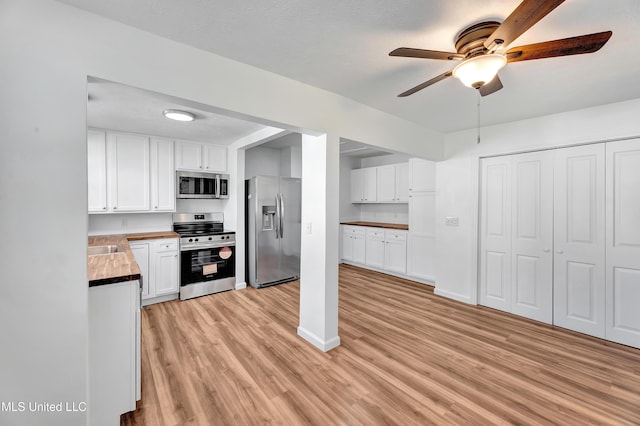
(200, 157)
(422, 175)
(128, 172)
(163, 189)
(215, 158)
(382, 184)
(363, 185)
(97, 169)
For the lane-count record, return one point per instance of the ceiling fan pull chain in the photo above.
(478, 127)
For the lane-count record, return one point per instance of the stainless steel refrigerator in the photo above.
(273, 208)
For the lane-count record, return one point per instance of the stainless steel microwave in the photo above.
(201, 185)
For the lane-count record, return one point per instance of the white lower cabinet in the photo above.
(353, 244)
(376, 248)
(158, 261)
(114, 351)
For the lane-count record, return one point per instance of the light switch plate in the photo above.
(451, 221)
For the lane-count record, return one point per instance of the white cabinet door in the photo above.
(495, 233)
(420, 256)
(579, 239)
(370, 184)
(375, 247)
(402, 183)
(422, 175)
(359, 248)
(189, 156)
(141, 254)
(215, 158)
(97, 171)
(386, 184)
(128, 172)
(163, 177)
(422, 211)
(532, 236)
(347, 244)
(395, 251)
(623, 242)
(357, 186)
(166, 272)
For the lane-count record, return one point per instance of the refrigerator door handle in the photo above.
(281, 215)
(276, 221)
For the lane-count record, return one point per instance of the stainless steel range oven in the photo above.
(207, 254)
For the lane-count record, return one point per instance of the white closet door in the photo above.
(532, 236)
(495, 233)
(623, 242)
(579, 239)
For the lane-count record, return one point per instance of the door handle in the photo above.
(281, 216)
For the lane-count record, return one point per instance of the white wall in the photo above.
(457, 178)
(261, 161)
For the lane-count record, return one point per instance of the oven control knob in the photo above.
(210, 238)
(227, 237)
(196, 239)
(190, 240)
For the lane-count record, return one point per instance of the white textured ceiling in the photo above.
(343, 47)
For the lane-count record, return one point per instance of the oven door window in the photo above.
(207, 264)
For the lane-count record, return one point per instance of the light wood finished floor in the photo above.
(407, 357)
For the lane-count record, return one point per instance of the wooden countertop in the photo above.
(399, 226)
(121, 266)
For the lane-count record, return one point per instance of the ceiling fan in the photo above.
(480, 48)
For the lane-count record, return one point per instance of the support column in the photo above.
(319, 246)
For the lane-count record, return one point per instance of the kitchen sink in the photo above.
(100, 250)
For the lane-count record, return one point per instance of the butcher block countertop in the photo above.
(120, 266)
(379, 225)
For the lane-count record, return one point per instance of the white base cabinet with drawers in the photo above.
(379, 249)
(158, 261)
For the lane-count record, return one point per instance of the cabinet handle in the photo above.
(546, 250)
(104, 208)
(155, 207)
(560, 251)
(115, 207)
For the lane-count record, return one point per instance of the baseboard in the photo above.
(240, 286)
(159, 299)
(323, 345)
(428, 281)
(454, 296)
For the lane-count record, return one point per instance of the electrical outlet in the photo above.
(451, 221)
(307, 227)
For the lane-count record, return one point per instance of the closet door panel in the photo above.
(579, 225)
(495, 233)
(623, 242)
(532, 223)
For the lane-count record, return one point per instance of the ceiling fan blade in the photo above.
(425, 84)
(564, 47)
(491, 87)
(408, 52)
(521, 19)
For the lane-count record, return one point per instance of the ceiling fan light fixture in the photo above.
(480, 70)
(178, 115)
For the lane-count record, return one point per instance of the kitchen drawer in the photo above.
(395, 235)
(166, 245)
(354, 230)
(375, 232)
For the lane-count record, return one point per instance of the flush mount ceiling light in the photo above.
(478, 71)
(178, 115)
